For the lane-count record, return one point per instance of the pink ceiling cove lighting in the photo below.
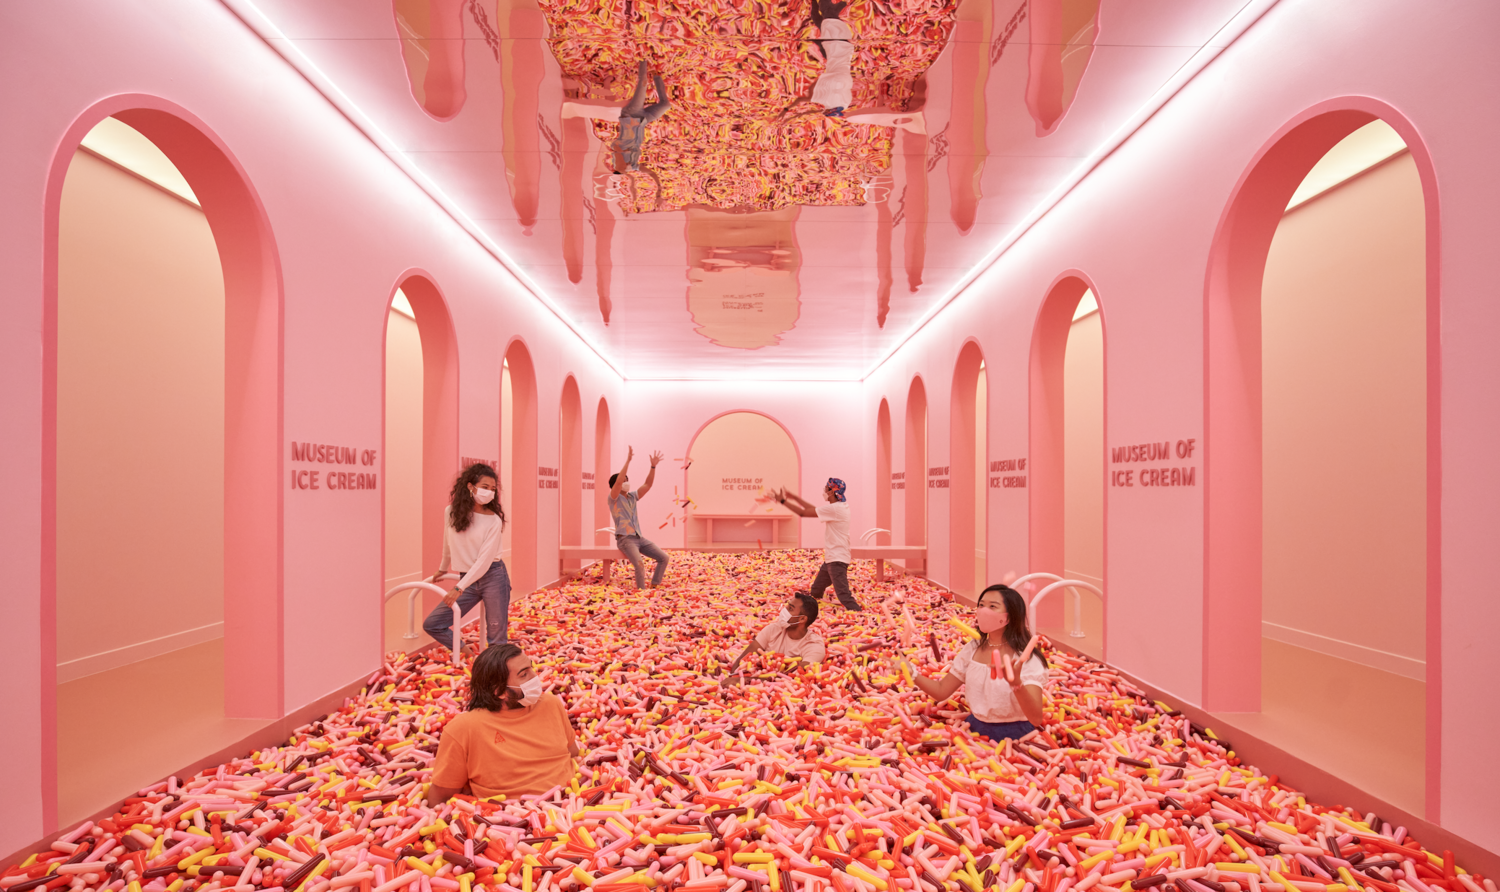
(753, 233)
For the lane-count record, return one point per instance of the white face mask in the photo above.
(531, 690)
(784, 615)
(483, 496)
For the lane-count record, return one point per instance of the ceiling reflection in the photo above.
(952, 120)
(742, 274)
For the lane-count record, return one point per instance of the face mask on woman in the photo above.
(531, 690)
(483, 496)
(990, 619)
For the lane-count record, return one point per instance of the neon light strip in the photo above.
(260, 23)
(1221, 40)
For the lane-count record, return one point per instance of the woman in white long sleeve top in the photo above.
(472, 524)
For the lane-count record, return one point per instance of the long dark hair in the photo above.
(489, 682)
(1016, 634)
(462, 501)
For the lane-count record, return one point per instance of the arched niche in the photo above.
(915, 465)
(601, 473)
(1250, 472)
(518, 464)
(570, 466)
(883, 472)
(968, 456)
(250, 430)
(736, 458)
(1066, 461)
(420, 452)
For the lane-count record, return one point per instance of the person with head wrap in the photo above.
(835, 517)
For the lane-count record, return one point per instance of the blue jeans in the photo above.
(635, 546)
(494, 588)
(998, 731)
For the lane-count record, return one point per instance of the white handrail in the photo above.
(417, 588)
(1074, 585)
(870, 532)
(1016, 584)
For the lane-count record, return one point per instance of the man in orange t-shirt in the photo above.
(515, 739)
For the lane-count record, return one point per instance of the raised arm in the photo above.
(656, 457)
(619, 487)
(796, 504)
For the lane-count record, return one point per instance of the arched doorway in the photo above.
(518, 468)
(969, 491)
(421, 443)
(883, 473)
(1067, 454)
(601, 474)
(735, 459)
(162, 389)
(1323, 470)
(915, 466)
(570, 467)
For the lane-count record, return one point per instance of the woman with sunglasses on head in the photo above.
(1004, 693)
(514, 739)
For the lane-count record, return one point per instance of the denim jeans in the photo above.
(494, 588)
(635, 546)
(999, 731)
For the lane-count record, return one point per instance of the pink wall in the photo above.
(666, 414)
(1344, 341)
(140, 437)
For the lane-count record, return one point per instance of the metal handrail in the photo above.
(416, 588)
(1074, 585)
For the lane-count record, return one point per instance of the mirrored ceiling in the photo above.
(721, 188)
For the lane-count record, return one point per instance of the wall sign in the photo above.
(898, 480)
(1008, 481)
(748, 484)
(546, 478)
(464, 461)
(330, 454)
(937, 478)
(588, 480)
(1163, 451)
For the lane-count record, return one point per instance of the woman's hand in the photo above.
(452, 597)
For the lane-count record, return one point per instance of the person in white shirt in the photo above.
(1005, 700)
(790, 634)
(472, 524)
(836, 556)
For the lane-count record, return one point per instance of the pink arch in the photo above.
(1049, 340)
(883, 471)
(965, 489)
(439, 409)
(784, 429)
(915, 462)
(253, 300)
(523, 497)
(1232, 406)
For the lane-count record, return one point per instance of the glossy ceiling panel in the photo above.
(756, 233)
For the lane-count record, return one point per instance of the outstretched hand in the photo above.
(656, 457)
